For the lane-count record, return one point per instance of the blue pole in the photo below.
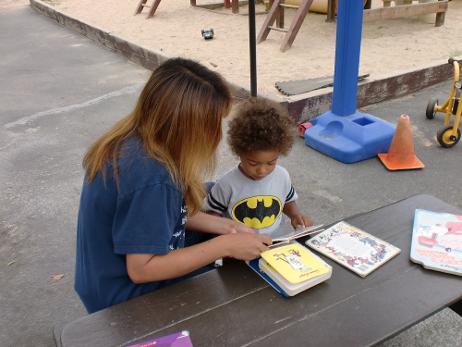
(253, 49)
(347, 51)
(343, 132)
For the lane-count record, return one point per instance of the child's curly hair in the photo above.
(260, 125)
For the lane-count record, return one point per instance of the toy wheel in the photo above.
(431, 106)
(446, 139)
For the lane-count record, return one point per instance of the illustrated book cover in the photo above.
(353, 248)
(291, 268)
(180, 339)
(437, 241)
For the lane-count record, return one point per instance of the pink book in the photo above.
(180, 339)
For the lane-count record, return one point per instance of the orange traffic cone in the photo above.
(401, 155)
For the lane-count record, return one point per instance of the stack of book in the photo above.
(291, 268)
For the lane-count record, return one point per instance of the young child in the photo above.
(258, 191)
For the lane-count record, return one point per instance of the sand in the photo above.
(388, 46)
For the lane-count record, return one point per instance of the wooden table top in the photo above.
(232, 306)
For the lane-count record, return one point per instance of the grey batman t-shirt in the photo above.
(255, 203)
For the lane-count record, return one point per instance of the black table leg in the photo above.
(457, 307)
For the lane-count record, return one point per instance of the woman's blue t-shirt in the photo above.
(145, 213)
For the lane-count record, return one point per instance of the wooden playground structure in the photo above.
(275, 17)
(233, 4)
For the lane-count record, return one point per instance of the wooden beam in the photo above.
(295, 25)
(440, 16)
(404, 11)
(235, 6)
(280, 17)
(269, 20)
(153, 8)
(331, 9)
(140, 6)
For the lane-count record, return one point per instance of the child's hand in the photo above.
(297, 219)
(300, 220)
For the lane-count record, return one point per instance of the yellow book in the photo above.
(295, 263)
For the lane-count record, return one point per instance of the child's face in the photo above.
(259, 164)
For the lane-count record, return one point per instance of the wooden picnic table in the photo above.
(232, 306)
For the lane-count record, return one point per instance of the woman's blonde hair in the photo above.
(178, 119)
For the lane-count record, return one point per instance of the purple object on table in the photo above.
(180, 339)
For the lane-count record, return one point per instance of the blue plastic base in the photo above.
(350, 138)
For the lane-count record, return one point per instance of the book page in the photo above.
(354, 247)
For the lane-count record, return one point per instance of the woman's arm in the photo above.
(215, 225)
(144, 268)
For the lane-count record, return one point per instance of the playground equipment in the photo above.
(450, 135)
(344, 133)
(234, 4)
(276, 14)
(152, 8)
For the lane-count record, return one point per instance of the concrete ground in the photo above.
(58, 92)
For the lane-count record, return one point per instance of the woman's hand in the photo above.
(214, 224)
(236, 227)
(244, 245)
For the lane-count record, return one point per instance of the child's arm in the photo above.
(216, 225)
(217, 198)
(297, 219)
(144, 268)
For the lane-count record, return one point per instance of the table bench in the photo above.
(232, 306)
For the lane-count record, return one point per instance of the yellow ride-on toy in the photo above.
(449, 135)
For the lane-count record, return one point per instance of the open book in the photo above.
(287, 233)
(437, 241)
(353, 248)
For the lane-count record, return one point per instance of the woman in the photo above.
(144, 185)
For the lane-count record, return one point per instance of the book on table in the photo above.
(291, 268)
(353, 248)
(437, 241)
(179, 339)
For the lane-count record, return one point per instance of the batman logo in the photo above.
(257, 212)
